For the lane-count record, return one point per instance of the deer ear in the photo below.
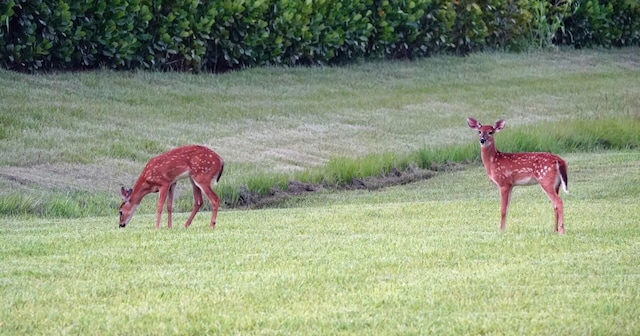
(125, 194)
(473, 123)
(499, 125)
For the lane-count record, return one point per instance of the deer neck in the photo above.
(488, 154)
(140, 190)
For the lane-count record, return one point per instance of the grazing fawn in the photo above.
(198, 163)
(507, 170)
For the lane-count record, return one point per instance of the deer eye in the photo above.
(490, 133)
(479, 132)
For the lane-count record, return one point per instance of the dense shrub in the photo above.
(408, 29)
(179, 34)
(118, 30)
(603, 23)
(507, 23)
(191, 35)
(240, 27)
(33, 34)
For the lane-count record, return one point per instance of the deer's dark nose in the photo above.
(482, 140)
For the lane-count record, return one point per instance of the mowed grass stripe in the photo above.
(421, 266)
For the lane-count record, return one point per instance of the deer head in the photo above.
(485, 132)
(126, 208)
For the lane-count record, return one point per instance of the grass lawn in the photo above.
(421, 258)
(425, 258)
(69, 141)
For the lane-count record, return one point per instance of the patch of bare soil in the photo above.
(253, 200)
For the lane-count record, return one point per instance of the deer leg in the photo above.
(197, 202)
(558, 209)
(505, 195)
(162, 197)
(172, 187)
(205, 186)
(215, 203)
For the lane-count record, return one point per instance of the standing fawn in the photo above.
(200, 164)
(507, 170)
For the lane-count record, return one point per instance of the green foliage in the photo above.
(118, 22)
(33, 34)
(507, 24)
(228, 193)
(338, 31)
(239, 29)
(342, 171)
(431, 158)
(289, 33)
(469, 30)
(547, 20)
(575, 135)
(603, 23)
(263, 183)
(219, 35)
(182, 31)
(408, 29)
(17, 204)
(59, 205)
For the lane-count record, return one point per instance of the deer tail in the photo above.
(221, 170)
(562, 168)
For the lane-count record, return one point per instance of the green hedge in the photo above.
(192, 35)
(613, 23)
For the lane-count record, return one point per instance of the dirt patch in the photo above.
(253, 200)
